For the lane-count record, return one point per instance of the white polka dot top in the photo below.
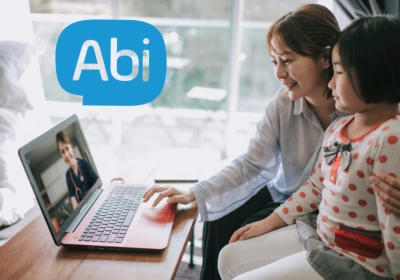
(351, 220)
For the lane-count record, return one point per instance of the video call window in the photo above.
(64, 172)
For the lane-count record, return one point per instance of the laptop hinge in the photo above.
(84, 210)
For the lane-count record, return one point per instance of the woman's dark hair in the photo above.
(306, 31)
(369, 50)
(62, 137)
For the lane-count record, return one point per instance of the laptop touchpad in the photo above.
(154, 217)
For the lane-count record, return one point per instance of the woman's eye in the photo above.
(273, 62)
(286, 61)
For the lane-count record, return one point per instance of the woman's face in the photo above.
(67, 152)
(303, 76)
(346, 99)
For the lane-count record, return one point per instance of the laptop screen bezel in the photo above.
(32, 145)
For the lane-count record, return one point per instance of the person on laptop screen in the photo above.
(80, 176)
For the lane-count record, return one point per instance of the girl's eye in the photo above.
(339, 73)
(273, 62)
(286, 61)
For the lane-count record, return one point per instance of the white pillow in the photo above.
(14, 58)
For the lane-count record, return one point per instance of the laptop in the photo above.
(81, 211)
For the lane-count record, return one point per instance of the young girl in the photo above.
(360, 238)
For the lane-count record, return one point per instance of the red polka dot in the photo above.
(325, 236)
(352, 187)
(285, 210)
(356, 155)
(333, 229)
(369, 142)
(315, 192)
(293, 221)
(323, 220)
(313, 185)
(371, 218)
(396, 230)
(379, 269)
(385, 128)
(346, 170)
(299, 209)
(314, 171)
(325, 202)
(321, 179)
(352, 214)
(370, 161)
(390, 245)
(360, 174)
(339, 183)
(393, 139)
(360, 228)
(393, 175)
(376, 145)
(335, 209)
(361, 258)
(387, 211)
(302, 194)
(332, 193)
(382, 159)
(362, 202)
(318, 225)
(319, 165)
(345, 198)
(370, 190)
(290, 198)
(313, 206)
(383, 226)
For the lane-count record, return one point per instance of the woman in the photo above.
(285, 148)
(80, 176)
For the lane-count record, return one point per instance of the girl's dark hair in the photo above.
(63, 138)
(306, 31)
(369, 50)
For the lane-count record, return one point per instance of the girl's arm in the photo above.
(302, 202)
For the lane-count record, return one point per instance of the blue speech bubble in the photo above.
(111, 62)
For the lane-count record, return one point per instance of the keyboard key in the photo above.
(111, 238)
(129, 218)
(96, 238)
(104, 238)
(119, 240)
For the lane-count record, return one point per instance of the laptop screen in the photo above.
(61, 170)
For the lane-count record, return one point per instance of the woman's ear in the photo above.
(326, 57)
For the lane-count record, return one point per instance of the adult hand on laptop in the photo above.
(174, 195)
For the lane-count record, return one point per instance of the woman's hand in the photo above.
(387, 188)
(174, 195)
(271, 223)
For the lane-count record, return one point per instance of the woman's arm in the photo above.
(387, 188)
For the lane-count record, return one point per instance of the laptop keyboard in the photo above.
(114, 216)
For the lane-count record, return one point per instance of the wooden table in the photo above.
(32, 254)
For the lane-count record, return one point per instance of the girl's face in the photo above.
(67, 152)
(342, 89)
(303, 76)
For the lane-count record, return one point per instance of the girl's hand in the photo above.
(250, 230)
(272, 222)
(387, 188)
